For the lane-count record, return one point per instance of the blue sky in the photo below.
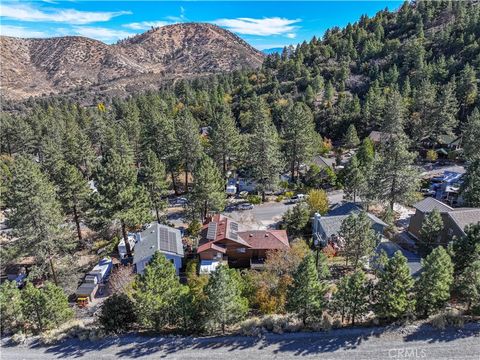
(265, 24)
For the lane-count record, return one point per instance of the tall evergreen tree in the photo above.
(156, 293)
(305, 295)
(352, 297)
(469, 284)
(224, 303)
(298, 132)
(225, 139)
(208, 193)
(445, 120)
(188, 138)
(471, 184)
(152, 176)
(471, 136)
(432, 226)
(394, 177)
(351, 139)
(354, 180)
(433, 287)
(359, 238)
(45, 308)
(394, 290)
(264, 153)
(466, 249)
(119, 197)
(36, 217)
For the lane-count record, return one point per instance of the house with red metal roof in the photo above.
(226, 241)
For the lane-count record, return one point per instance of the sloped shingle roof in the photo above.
(428, 204)
(464, 217)
(266, 240)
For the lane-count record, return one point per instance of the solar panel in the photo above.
(233, 230)
(163, 234)
(172, 242)
(212, 231)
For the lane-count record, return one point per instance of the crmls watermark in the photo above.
(407, 353)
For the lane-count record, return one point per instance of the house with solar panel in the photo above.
(162, 238)
(226, 241)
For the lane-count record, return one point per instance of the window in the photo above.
(241, 250)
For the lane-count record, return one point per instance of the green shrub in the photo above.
(280, 198)
(254, 199)
(288, 194)
(117, 314)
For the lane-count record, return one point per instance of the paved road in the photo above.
(271, 213)
(376, 344)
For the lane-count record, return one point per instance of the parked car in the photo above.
(181, 201)
(245, 206)
(297, 198)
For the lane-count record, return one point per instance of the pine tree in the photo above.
(305, 295)
(73, 192)
(351, 139)
(156, 293)
(471, 184)
(467, 89)
(358, 237)
(424, 116)
(466, 249)
(208, 193)
(298, 132)
(469, 284)
(152, 176)
(432, 226)
(354, 179)
(365, 155)
(264, 153)
(224, 303)
(394, 298)
(393, 120)
(433, 287)
(471, 136)
(352, 297)
(10, 307)
(394, 177)
(119, 197)
(445, 120)
(295, 220)
(160, 137)
(188, 138)
(36, 217)
(45, 308)
(225, 139)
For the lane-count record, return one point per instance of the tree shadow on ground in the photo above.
(429, 334)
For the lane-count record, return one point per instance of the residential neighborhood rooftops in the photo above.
(211, 246)
(347, 208)
(158, 237)
(428, 204)
(221, 227)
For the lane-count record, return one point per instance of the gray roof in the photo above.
(331, 225)
(428, 204)
(390, 248)
(464, 217)
(324, 161)
(347, 208)
(158, 238)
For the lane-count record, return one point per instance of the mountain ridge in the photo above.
(34, 67)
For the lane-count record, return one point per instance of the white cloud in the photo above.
(261, 27)
(291, 35)
(145, 25)
(25, 12)
(102, 34)
(20, 31)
